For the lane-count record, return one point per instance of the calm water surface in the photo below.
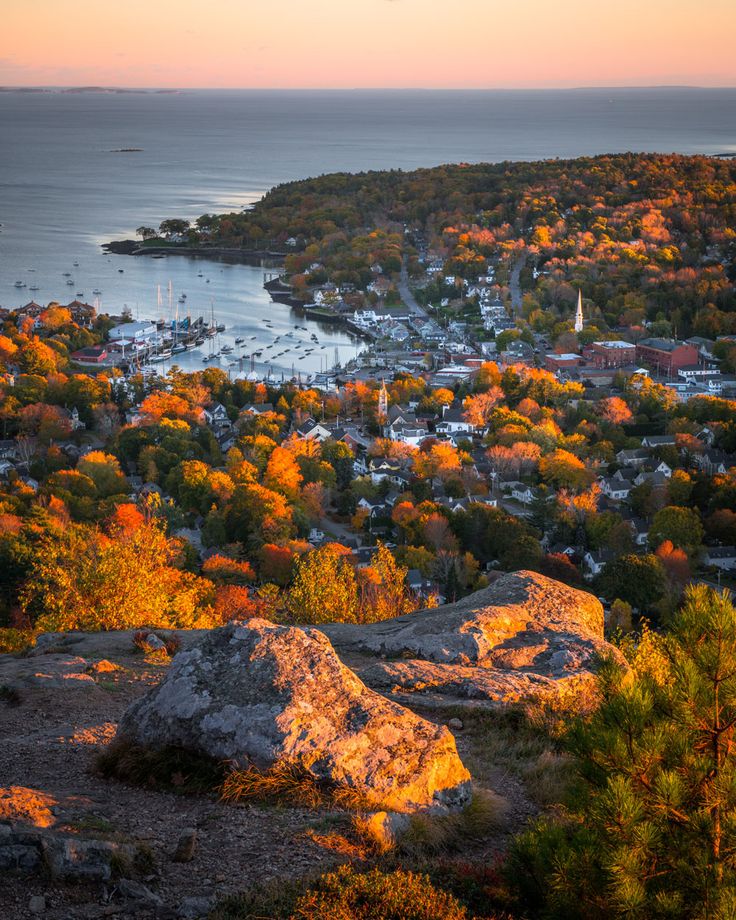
(63, 192)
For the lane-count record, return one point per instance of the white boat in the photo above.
(75, 264)
(97, 291)
(33, 287)
(19, 284)
(69, 281)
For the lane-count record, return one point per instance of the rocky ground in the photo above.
(51, 734)
(60, 705)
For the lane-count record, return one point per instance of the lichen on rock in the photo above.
(260, 694)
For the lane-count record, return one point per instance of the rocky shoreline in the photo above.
(220, 254)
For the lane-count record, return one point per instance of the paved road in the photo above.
(515, 286)
(712, 584)
(406, 295)
(341, 532)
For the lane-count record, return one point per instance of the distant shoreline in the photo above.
(216, 253)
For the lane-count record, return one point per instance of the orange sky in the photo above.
(367, 43)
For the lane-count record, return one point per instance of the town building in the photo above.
(556, 362)
(666, 356)
(611, 353)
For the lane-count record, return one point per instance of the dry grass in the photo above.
(522, 741)
(436, 834)
(428, 834)
(548, 779)
(182, 771)
(288, 783)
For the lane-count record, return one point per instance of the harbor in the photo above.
(257, 337)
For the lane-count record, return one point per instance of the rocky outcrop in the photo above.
(255, 693)
(27, 851)
(49, 672)
(524, 636)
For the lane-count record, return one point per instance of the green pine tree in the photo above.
(651, 831)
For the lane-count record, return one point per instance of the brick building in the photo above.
(610, 353)
(666, 356)
(554, 362)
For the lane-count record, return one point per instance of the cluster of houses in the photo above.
(83, 314)
(633, 467)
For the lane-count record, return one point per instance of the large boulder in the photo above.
(524, 636)
(255, 693)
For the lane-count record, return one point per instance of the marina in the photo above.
(249, 334)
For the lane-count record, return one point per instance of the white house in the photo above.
(453, 421)
(722, 557)
(596, 561)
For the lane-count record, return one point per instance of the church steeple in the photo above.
(579, 313)
(383, 401)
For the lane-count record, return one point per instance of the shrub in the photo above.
(376, 895)
(275, 900)
(14, 640)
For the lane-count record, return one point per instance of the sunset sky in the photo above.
(367, 43)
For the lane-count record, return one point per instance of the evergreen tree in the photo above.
(652, 829)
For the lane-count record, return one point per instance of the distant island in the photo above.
(79, 90)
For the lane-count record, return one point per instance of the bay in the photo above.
(64, 191)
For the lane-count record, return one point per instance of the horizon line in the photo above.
(357, 89)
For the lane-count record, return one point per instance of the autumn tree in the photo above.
(615, 410)
(325, 589)
(383, 589)
(104, 470)
(84, 579)
(478, 408)
(563, 469)
(282, 473)
(223, 570)
(681, 526)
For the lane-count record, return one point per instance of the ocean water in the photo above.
(63, 191)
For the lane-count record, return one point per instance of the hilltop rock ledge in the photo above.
(524, 636)
(258, 694)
